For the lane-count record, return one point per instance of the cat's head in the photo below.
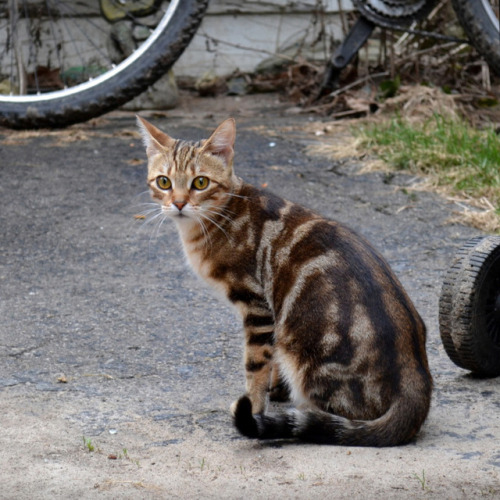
(191, 180)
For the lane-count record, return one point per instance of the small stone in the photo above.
(163, 94)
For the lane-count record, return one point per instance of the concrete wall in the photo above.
(239, 34)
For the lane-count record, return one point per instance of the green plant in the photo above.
(87, 443)
(459, 154)
(421, 479)
(458, 158)
(389, 88)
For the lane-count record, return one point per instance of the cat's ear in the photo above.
(154, 139)
(221, 142)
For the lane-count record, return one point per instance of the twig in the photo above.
(345, 28)
(356, 83)
(252, 49)
(434, 48)
(485, 76)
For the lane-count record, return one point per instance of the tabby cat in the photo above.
(324, 316)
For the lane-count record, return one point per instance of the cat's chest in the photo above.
(197, 261)
(227, 263)
(201, 263)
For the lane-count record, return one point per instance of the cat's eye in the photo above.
(200, 183)
(163, 182)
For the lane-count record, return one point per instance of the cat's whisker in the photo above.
(206, 234)
(154, 222)
(140, 201)
(163, 219)
(151, 219)
(151, 204)
(155, 233)
(224, 209)
(142, 195)
(220, 214)
(234, 195)
(143, 221)
(207, 217)
(145, 208)
(157, 222)
(145, 214)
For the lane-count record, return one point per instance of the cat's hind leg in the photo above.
(278, 389)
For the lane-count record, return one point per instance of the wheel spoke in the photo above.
(124, 69)
(53, 44)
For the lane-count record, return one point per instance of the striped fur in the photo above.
(324, 316)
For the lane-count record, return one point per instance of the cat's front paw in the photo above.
(256, 408)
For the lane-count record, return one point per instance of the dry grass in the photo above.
(428, 138)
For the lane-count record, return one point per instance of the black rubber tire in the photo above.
(469, 307)
(59, 109)
(480, 29)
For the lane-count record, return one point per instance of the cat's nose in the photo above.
(180, 204)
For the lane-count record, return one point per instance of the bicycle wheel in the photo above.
(481, 21)
(65, 62)
(469, 307)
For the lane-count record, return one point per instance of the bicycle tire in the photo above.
(115, 87)
(482, 27)
(469, 307)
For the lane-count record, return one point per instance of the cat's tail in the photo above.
(397, 426)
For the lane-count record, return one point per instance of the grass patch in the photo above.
(87, 443)
(421, 480)
(457, 158)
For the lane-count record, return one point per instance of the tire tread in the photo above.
(456, 305)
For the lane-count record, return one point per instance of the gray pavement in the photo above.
(106, 335)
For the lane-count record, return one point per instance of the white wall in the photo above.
(239, 34)
(234, 35)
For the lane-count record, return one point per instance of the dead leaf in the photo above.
(136, 161)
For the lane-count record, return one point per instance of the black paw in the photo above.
(243, 418)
